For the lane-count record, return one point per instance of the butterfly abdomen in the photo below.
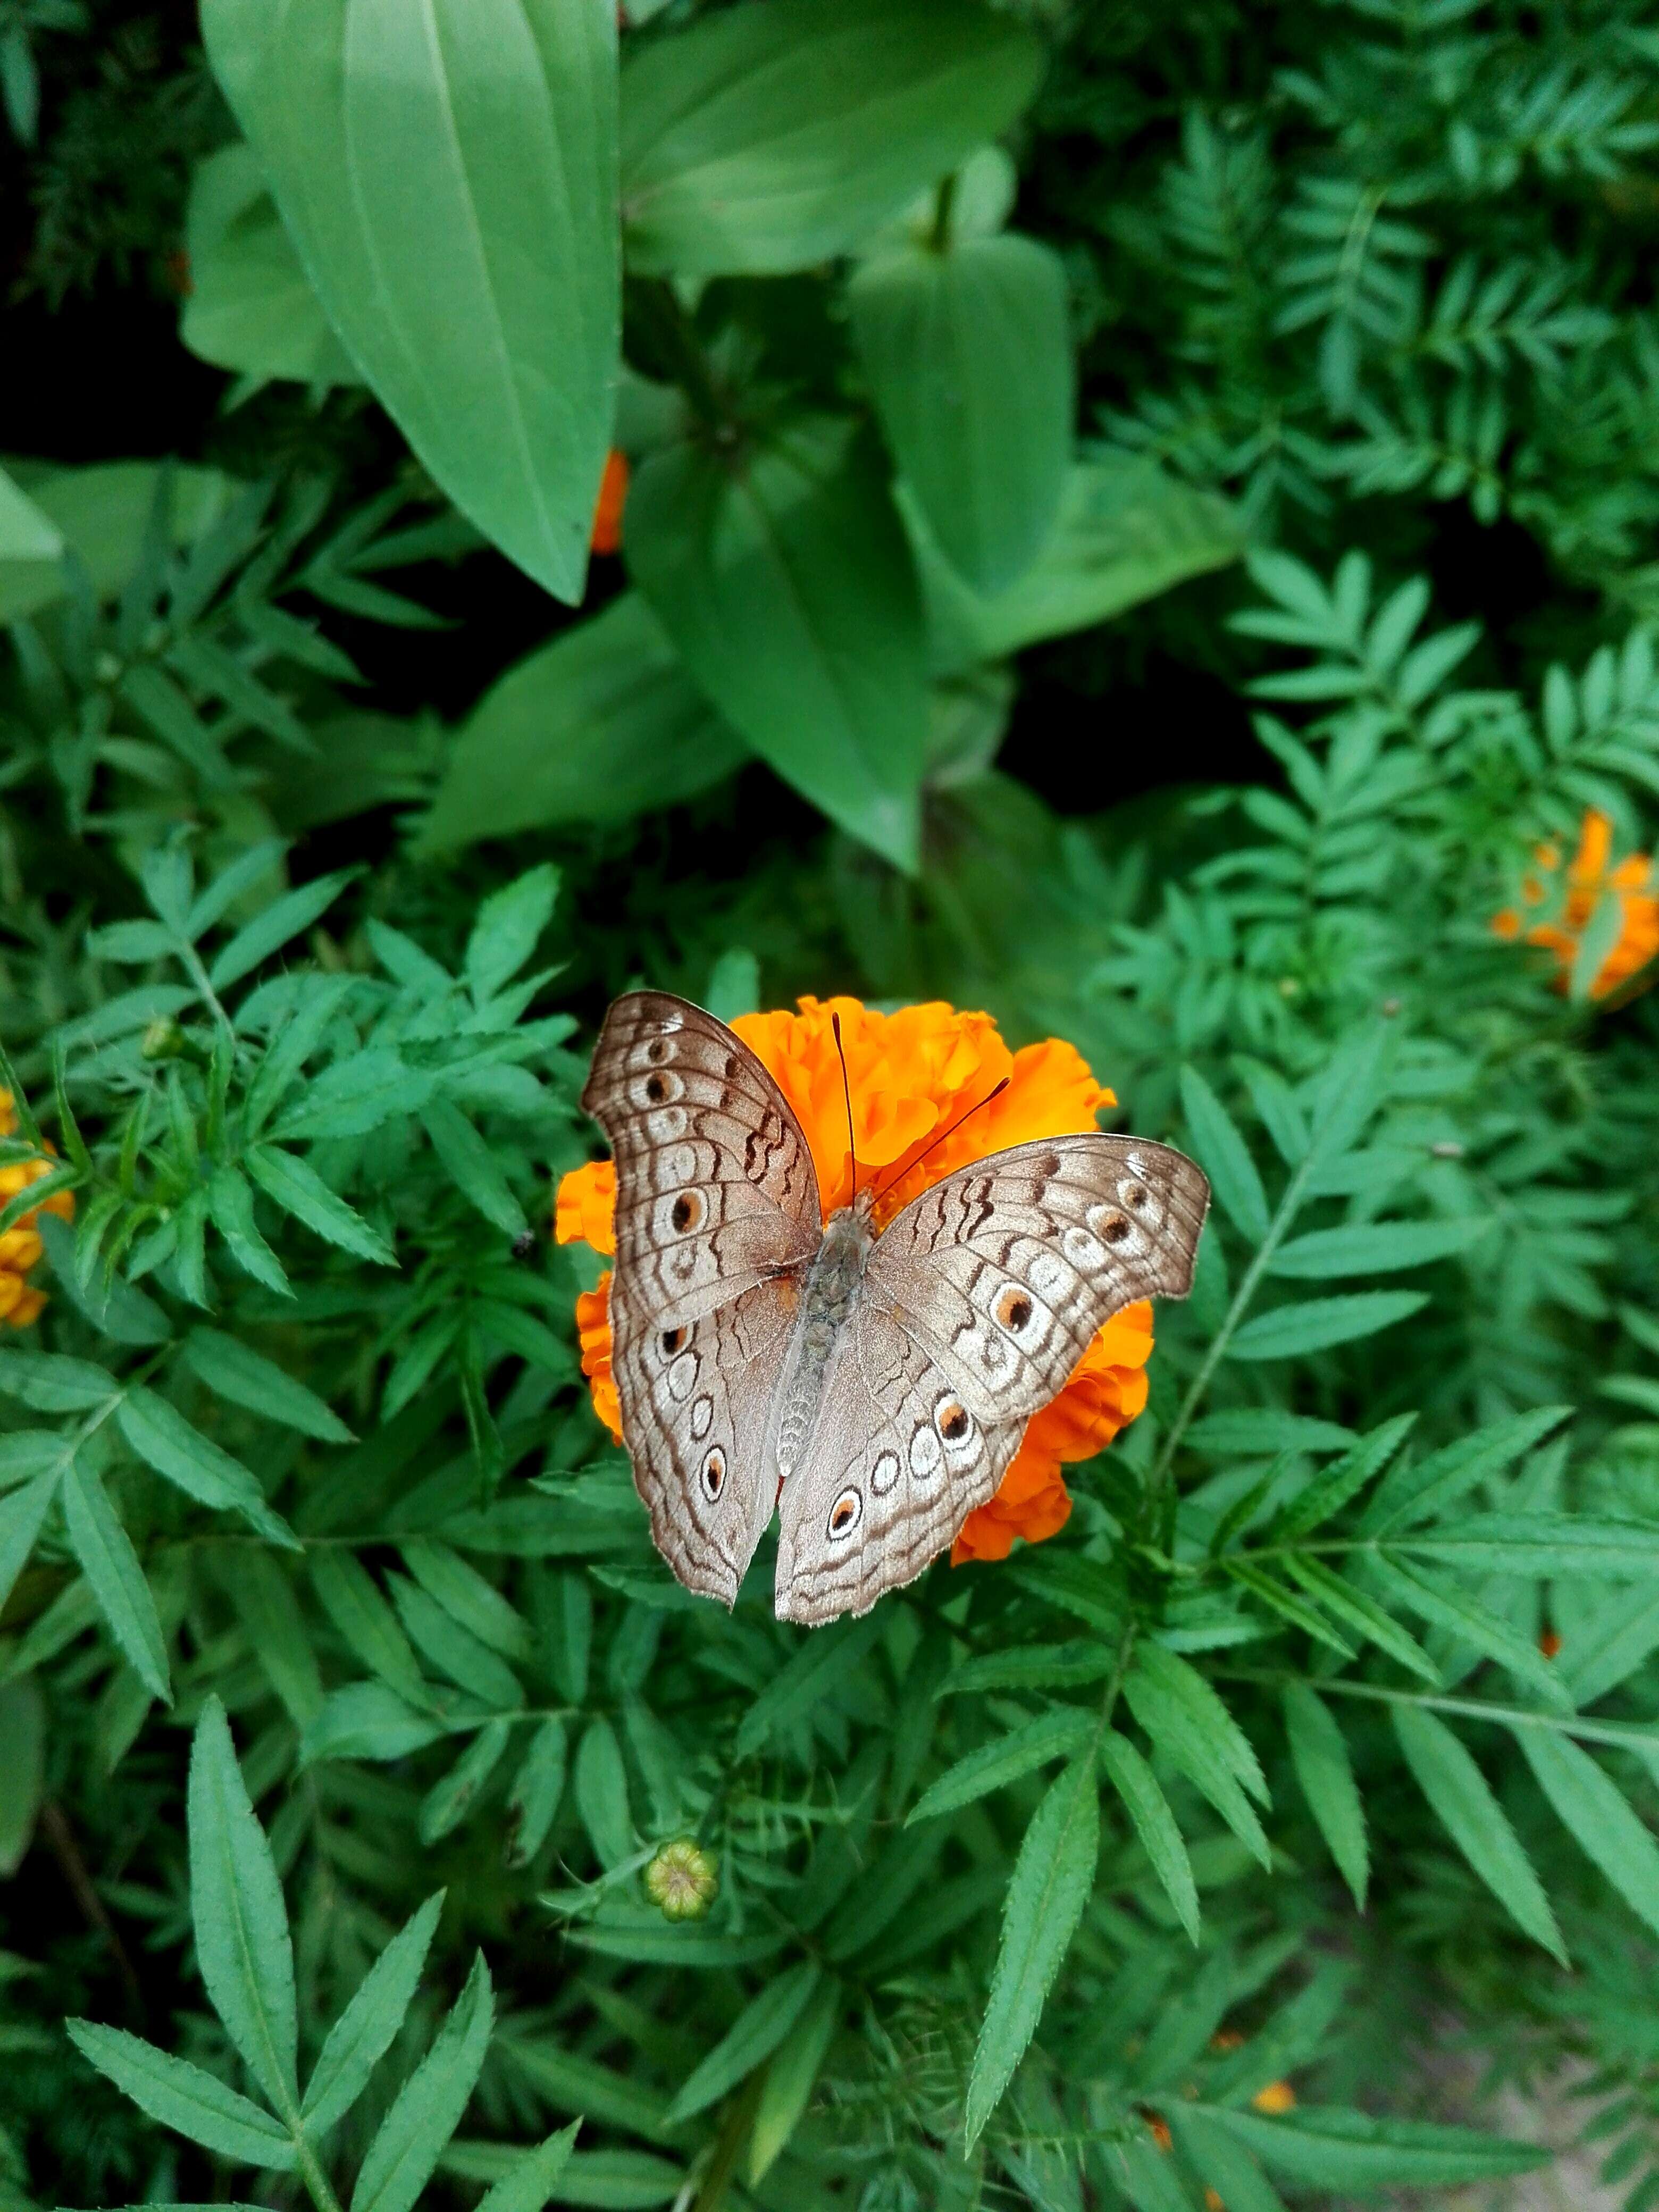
(827, 1299)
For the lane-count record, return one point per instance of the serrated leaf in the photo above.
(1032, 1666)
(1316, 1324)
(1224, 1157)
(533, 1800)
(21, 1517)
(1596, 1814)
(1460, 1796)
(295, 1186)
(183, 2097)
(756, 2033)
(509, 923)
(828, 1656)
(114, 1308)
(1325, 2148)
(165, 1440)
(230, 1207)
(1319, 1753)
(233, 1371)
(1446, 1607)
(466, 1597)
(257, 940)
(472, 1167)
(365, 2031)
(1374, 1248)
(1057, 1734)
(367, 1720)
(1199, 1751)
(1345, 1480)
(601, 1787)
(1052, 1879)
(534, 2176)
(427, 2109)
(242, 1944)
(454, 1650)
(1353, 1605)
(1414, 1493)
(791, 2079)
(111, 1566)
(353, 1601)
(1154, 1825)
(452, 1796)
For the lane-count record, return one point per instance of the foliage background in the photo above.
(1325, 332)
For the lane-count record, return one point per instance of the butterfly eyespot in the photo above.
(683, 1378)
(655, 1090)
(1013, 1310)
(846, 1513)
(656, 1052)
(1134, 1194)
(713, 1474)
(1114, 1228)
(702, 1415)
(1050, 1164)
(687, 1211)
(675, 1339)
(925, 1456)
(884, 1474)
(733, 1067)
(952, 1420)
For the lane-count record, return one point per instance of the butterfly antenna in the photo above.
(995, 1092)
(846, 1093)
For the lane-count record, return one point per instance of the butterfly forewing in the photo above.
(717, 1211)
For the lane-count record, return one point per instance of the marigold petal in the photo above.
(593, 1328)
(28, 1309)
(11, 1289)
(584, 1211)
(606, 534)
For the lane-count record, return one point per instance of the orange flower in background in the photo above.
(606, 534)
(1556, 910)
(911, 1075)
(1277, 2097)
(20, 1245)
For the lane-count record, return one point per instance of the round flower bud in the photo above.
(681, 1881)
(162, 1040)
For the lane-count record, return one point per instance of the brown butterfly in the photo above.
(872, 1388)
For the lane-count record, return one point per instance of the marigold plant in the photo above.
(1559, 908)
(923, 1089)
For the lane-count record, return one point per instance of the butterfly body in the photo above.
(885, 1381)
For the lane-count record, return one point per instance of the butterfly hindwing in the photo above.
(717, 1213)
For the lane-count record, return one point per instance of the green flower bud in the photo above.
(163, 1040)
(681, 1880)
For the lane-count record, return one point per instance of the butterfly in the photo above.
(871, 1388)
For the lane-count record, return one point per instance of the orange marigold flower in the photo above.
(912, 1075)
(1549, 1644)
(1158, 2128)
(607, 535)
(1277, 2097)
(1556, 910)
(20, 1245)
(1213, 2200)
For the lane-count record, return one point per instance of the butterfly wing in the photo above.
(977, 1302)
(717, 1213)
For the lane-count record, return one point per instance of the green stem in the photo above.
(316, 2181)
(1625, 1736)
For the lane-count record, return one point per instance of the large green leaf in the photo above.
(30, 554)
(1348, 2151)
(242, 1944)
(182, 2096)
(398, 2163)
(1126, 532)
(969, 357)
(1592, 1808)
(447, 173)
(784, 580)
(1461, 1796)
(251, 307)
(770, 137)
(600, 725)
(101, 513)
(362, 2035)
(1052, 1879)
(1319, 1753)
(756, 2033)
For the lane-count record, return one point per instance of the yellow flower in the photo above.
(911, 1075)
(1565, 906)
(1277, 2097)
(20, 1245)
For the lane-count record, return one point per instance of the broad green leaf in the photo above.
(1052, 1879)
(1352, 1606)
(1416, 1492)
(23, 1763)
(791, 2077)
(509, 926)
(165, 1440)
(571, 2083)
(363, 2033)
(234, 1371)
(367, 1720)
(297, 1187)
(353, 1601)
(601, 1787)
(454, 1650)
(967, 347)
(1251, 1432)
(1124, 532)
(1291, 1332)
(1032, 1666)
(489, 328)
(1460, 1795)
(533, 1800)
(1540, 1545)
(285, 918)
(765, 139)
(21, 1517)
(251, 307)
(452, 1796)
(1319, 1753)
(1445, 1605)
(31, 554)
(657, 1942)
(182, 2097)
(472, 1167)
(242, 1944)
(1057, 1734)
(1187, 1735)
(355, 1097)
(111, 1566)
(828, 1656)
(1374, 1248)
(1346, 2151)
(1595, 1811)
(756, 2033)
(466, 1597)
(786, 583)
(1154, 1825)
(104, 512)
(601, 725)
(230, 1208)
(535, 2176)
(427, 2109)
(1224, 1157)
